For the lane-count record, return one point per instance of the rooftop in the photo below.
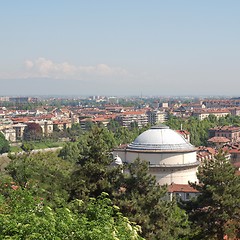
(181, 188)
(218, 140)
(161, 138)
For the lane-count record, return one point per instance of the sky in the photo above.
(120, 48)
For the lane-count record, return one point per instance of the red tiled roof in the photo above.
(23, 119)
(205, 153)
(181, 188)
(209, 111)
(86, 120)
(100, 119)
(234, 150)
(133, 113)
(225, 128)
(183, 132)
(211, 150)
(219, 140)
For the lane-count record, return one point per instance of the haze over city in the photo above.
(120, 47)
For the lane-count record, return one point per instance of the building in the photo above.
(204, 113)
(163, 105)
(156, 117)
(62, 124)
(205, 153)
(230, 132)
(234, 111)
(19, 128)
(9, 134)
(4, 99)
(172, 159)
(125, 119)
(234, 150)
(221, 103)
(182, 191)
(218, 141)
(184, 133)
(23, 99)
(46, 125)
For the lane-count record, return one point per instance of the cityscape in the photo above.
(120, 120)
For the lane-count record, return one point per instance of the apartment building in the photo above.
(221, 103)
(204, 113)
(156, 116)
(127, 118)
(234, 111)
(230, 132)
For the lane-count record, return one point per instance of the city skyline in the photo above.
(120, 48)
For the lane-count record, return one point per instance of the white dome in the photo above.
(161, 138)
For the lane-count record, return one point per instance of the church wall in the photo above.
(178, 176)
(165, 175)
(161, 158)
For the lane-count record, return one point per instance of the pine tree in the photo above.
(70, 152)
(93, 174)
(216, 212)
(144, 202)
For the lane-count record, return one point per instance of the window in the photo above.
(178, 196)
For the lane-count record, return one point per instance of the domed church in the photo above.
(172, 159)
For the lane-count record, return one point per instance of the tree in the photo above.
(93, 174)
(144, 202)
(133, 125)
(4, 144)
(75, 131)
(216, 211)
(113, 125)
(27, 147)
(70, 152)
(44, 173)
(25, 216)
(124, 135)
(32, 132)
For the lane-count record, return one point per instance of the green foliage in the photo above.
(44, 173)
(124, 135)
(199, 128)
(4, 144)
(75, 131)
(216, 211)
(93, 175)
(70, 152)
(24, 216)
(143, 202)
(27, 146)
(46, 144)
(97, 148)
(32, 132)
(83, 171)
(15, 149)
(113, 125)
(88, 144)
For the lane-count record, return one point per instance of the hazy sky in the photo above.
(124, 47)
